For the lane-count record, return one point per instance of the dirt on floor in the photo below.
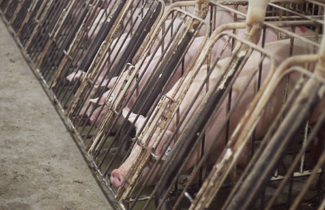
(40, 164)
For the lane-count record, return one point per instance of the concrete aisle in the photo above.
(40, 164)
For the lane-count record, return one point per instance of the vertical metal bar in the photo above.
(302, 162)
(29, 13)
(55, 32)
(39, 21)
(20, 4)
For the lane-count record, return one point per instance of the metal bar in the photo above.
(296, 13)
(31, 10)
(126, 188)
(306, 100)
(119, 11)
(138, 37)
(39, 21)
(250, 120)
(291, 123)
(41, 37)
(55, 32)
(117, 105)
(170, 61)
(21, 16)
(4, 4)
(198, 120)
(17, 9)
(294, 163)
(72, 50)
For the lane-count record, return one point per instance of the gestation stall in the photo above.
(187, 104)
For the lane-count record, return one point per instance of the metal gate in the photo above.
(145, 87)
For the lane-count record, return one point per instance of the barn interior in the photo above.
(152, 104)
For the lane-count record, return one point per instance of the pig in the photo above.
(100, 100)
(271, 36)
(221, 18)
(188, 58)
(281, 51)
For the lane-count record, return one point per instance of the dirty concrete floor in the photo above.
(40, 164)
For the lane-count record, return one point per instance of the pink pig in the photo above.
(281, 51)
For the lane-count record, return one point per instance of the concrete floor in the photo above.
(40, 164)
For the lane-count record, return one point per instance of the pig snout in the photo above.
(117, 177)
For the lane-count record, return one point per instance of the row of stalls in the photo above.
(188, 104)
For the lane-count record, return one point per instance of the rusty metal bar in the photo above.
(198, 120)
(139, 101)
(55, 32)
(171, 60)
(153, 13)
(126, 188)
(308, 98)
(39, 19)
(4, 5)
(28, 23)
(103, 123)
(21, 15)
(193, 126)
(42, 36)
(84, 100)
(119, 11)
(295, 162)
(104, 174)
(264, 168)
(10, 11)
(74, 46)
(62, 42)
(245, 133)
(17, 8)
(138, 37)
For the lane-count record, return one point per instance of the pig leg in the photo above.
(75, 77)
(88, 106)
